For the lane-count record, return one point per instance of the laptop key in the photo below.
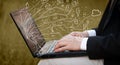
(51, 49)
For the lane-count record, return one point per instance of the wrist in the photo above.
(85, 33)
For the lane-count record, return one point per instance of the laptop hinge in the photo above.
(38, 54)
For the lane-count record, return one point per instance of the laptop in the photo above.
(34, 39)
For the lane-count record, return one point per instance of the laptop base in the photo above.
(63, 54)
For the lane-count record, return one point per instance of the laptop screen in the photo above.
(28, 29)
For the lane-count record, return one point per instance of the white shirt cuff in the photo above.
(83, 45)
(91, 32)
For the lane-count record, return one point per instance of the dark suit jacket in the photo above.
(106, 45)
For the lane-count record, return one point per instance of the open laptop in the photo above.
(34, 39)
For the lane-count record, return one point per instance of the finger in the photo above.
(67, 36)
(65, 39)
(62, 40)
(61, 49)
(76, 34)
(60, 44)
(73, 33)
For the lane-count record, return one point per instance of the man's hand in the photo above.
(68, 43)
(80, 34)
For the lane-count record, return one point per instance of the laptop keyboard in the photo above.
(48, 47)
(51, 49)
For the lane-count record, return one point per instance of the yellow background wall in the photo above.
(55, 18)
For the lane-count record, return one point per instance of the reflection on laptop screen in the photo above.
(28, 29)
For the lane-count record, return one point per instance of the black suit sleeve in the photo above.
(101, 47)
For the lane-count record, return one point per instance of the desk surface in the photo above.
(70, 61)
